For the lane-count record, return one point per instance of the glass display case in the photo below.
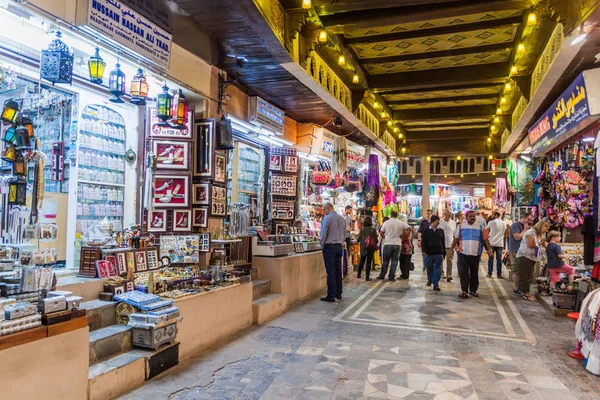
(246, 170)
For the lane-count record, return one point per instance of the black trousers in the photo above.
(332, 255)
(468, 268)
(366, 258)
(405, 260)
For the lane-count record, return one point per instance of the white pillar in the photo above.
(426, 179)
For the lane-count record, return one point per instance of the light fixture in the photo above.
(179, 110)
(17, 192)
(493, 128)
(513, 69)
(428, 158)
(375, 104)
(403, 150)
(462, 176)
(588, 139)
(342, 60)
(396, 129)
(355, 79)
(139, 88)
(526, 158)
(57, 62)
(490, 157)
(521, 48)
(498, 110)
(458, 158)
(22, 135)
(578, 39)
(445, 176)
(503, 100)
(10, 111)
(383, 114)
(531, 18)
(390, 123)
(163, 106)
(489, 140)
(413, 176)
(306, 4)
(323, 36)
(29, 125)
(507, 86)
(96, 67)
(493, 190)
(10, 135)
(496, 119)
(9, 154)
(116, 84)
(19, 166)
(401, 136)
(493, 174)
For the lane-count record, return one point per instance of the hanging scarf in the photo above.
(372, 189)
(340, 157)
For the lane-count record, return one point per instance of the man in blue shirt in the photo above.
(333, 234)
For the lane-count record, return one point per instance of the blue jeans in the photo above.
(391, 252)
(332, 255)
(434, 268)
(498, 253)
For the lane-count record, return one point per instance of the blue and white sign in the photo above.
(129, 28)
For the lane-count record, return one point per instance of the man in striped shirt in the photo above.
(470, 237)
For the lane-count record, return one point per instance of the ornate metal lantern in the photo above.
(29, 125)
(224, 134)
(10, 111)
(22, 134)
(179, 110)
(57, 62)
(19, 166)
(96, 67)
(116, 84)
(17, 192)
(139, 88)
(10, 135)
(9, 154)
(163, 106)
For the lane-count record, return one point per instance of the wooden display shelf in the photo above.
(23, 337)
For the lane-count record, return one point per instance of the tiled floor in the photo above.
(392, 341)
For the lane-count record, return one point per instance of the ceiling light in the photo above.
(496, 119)
(578, 39)
(396, 129)
(458, 158)
(521, 47)
(428, 158)
(342, 60)
(493, 128)
(323, 36)
(390, 123)
(403, 150)
(489, 140)
(413, 176)
(462, 176)
(355, 79)
(507, 86)
(383, 114)
(490, 157)
(498, 110)
(588, 139)
(513, 69)
(503, 100)
(306, 4)
(400, 136)
(526, 158)
(445, 176)
(493, 174)
(375, 105)
(531, 18)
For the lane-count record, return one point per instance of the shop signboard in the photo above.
(325, 148)
(460, 190)
(479, 192)
(266, 115)
(567, 114)
(129, 28)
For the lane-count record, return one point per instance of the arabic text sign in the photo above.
(127, 27)
(567, 111)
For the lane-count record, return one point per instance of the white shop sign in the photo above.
(266, 114)
(129, 28)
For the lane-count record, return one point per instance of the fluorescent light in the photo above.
(526, 158)
(578, 39)
(588, 139)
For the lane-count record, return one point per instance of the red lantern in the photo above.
(179, 110)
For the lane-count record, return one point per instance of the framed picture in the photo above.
(171, 191)
(218, 207)
(111, 265)
(298, 248)
(157, 221)
(167, 131)
(141, 262)
(290, 164)
(130, 260)
(281, 229)
(182, 220)
(201, 193)
(204, 242)
(129, 286)
(282, 209)
(121, 263)
(171, 154)
(204, 148)
(275, 162)
(220, 168)
(102, 269)
(180, 249)
(282, 185)
(200, 217)
(152, 257)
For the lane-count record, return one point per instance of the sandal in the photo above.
(529, 297)
(463, 296)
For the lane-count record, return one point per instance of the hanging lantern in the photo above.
(17, 192)
(224, 134)
(29, 125)
(179, 110)
(57, 62)
(22, 136)
(9, 154)
(10, 135)
(116, 84)
(139, 88)
(10, 111)
(163, 106)
(96, 67)
(19, 166)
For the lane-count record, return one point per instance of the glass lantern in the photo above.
(19, 166)
(179, 110)
(57, 62)
(10, 135)
(163, 106)
(9, 154)
(17, 192)
(10, 111)
(96, 67)
(116, 84)
(139, 88)
(22, 134)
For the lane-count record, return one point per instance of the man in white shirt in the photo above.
(496, 227)
(392, 230)
(449, 227)
(481, 219)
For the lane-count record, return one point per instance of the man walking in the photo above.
(470, 237)
(449, 227)
(517, 230)
(423, 225)
(333, 234)
(434, 245)
(392, 231)
(348, 220)
(496, 227)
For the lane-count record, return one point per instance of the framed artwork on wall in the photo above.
(121, 263)
(171, 154)
(290, 164)
(182, 220)
(275, 162)
(200, 217)
(204, 148)
(201, 193)
(220, 168)
(157, 221)
(168, 131)
(111, 265)
(218, 207)
(141, 262)
(171, 191)
(205, 242)
(152, 257)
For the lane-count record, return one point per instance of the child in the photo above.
(556, 263)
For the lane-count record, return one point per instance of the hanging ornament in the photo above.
(57, 62)
(10, 111)
(17, 192)
(179, 110)
(139, 88)
(10, 135)
(96, 67)
(163, 106)
(116, 84)
(22, 136)
(9, 154)
(19, 166)
(224, 134)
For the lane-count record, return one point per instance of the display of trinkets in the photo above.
(19, 310)
(52, 304)
(282, 185)
(181, 249)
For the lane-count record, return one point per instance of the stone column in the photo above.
(426, 180)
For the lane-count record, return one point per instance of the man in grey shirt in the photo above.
(333, 235)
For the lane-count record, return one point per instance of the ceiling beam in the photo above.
(433, 89)
(342, 22)
(441, 78)
(442, 30)
(454, 113)
(441, 53)
(444, 99)
(447, 135)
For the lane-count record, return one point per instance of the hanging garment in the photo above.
(589, 237)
